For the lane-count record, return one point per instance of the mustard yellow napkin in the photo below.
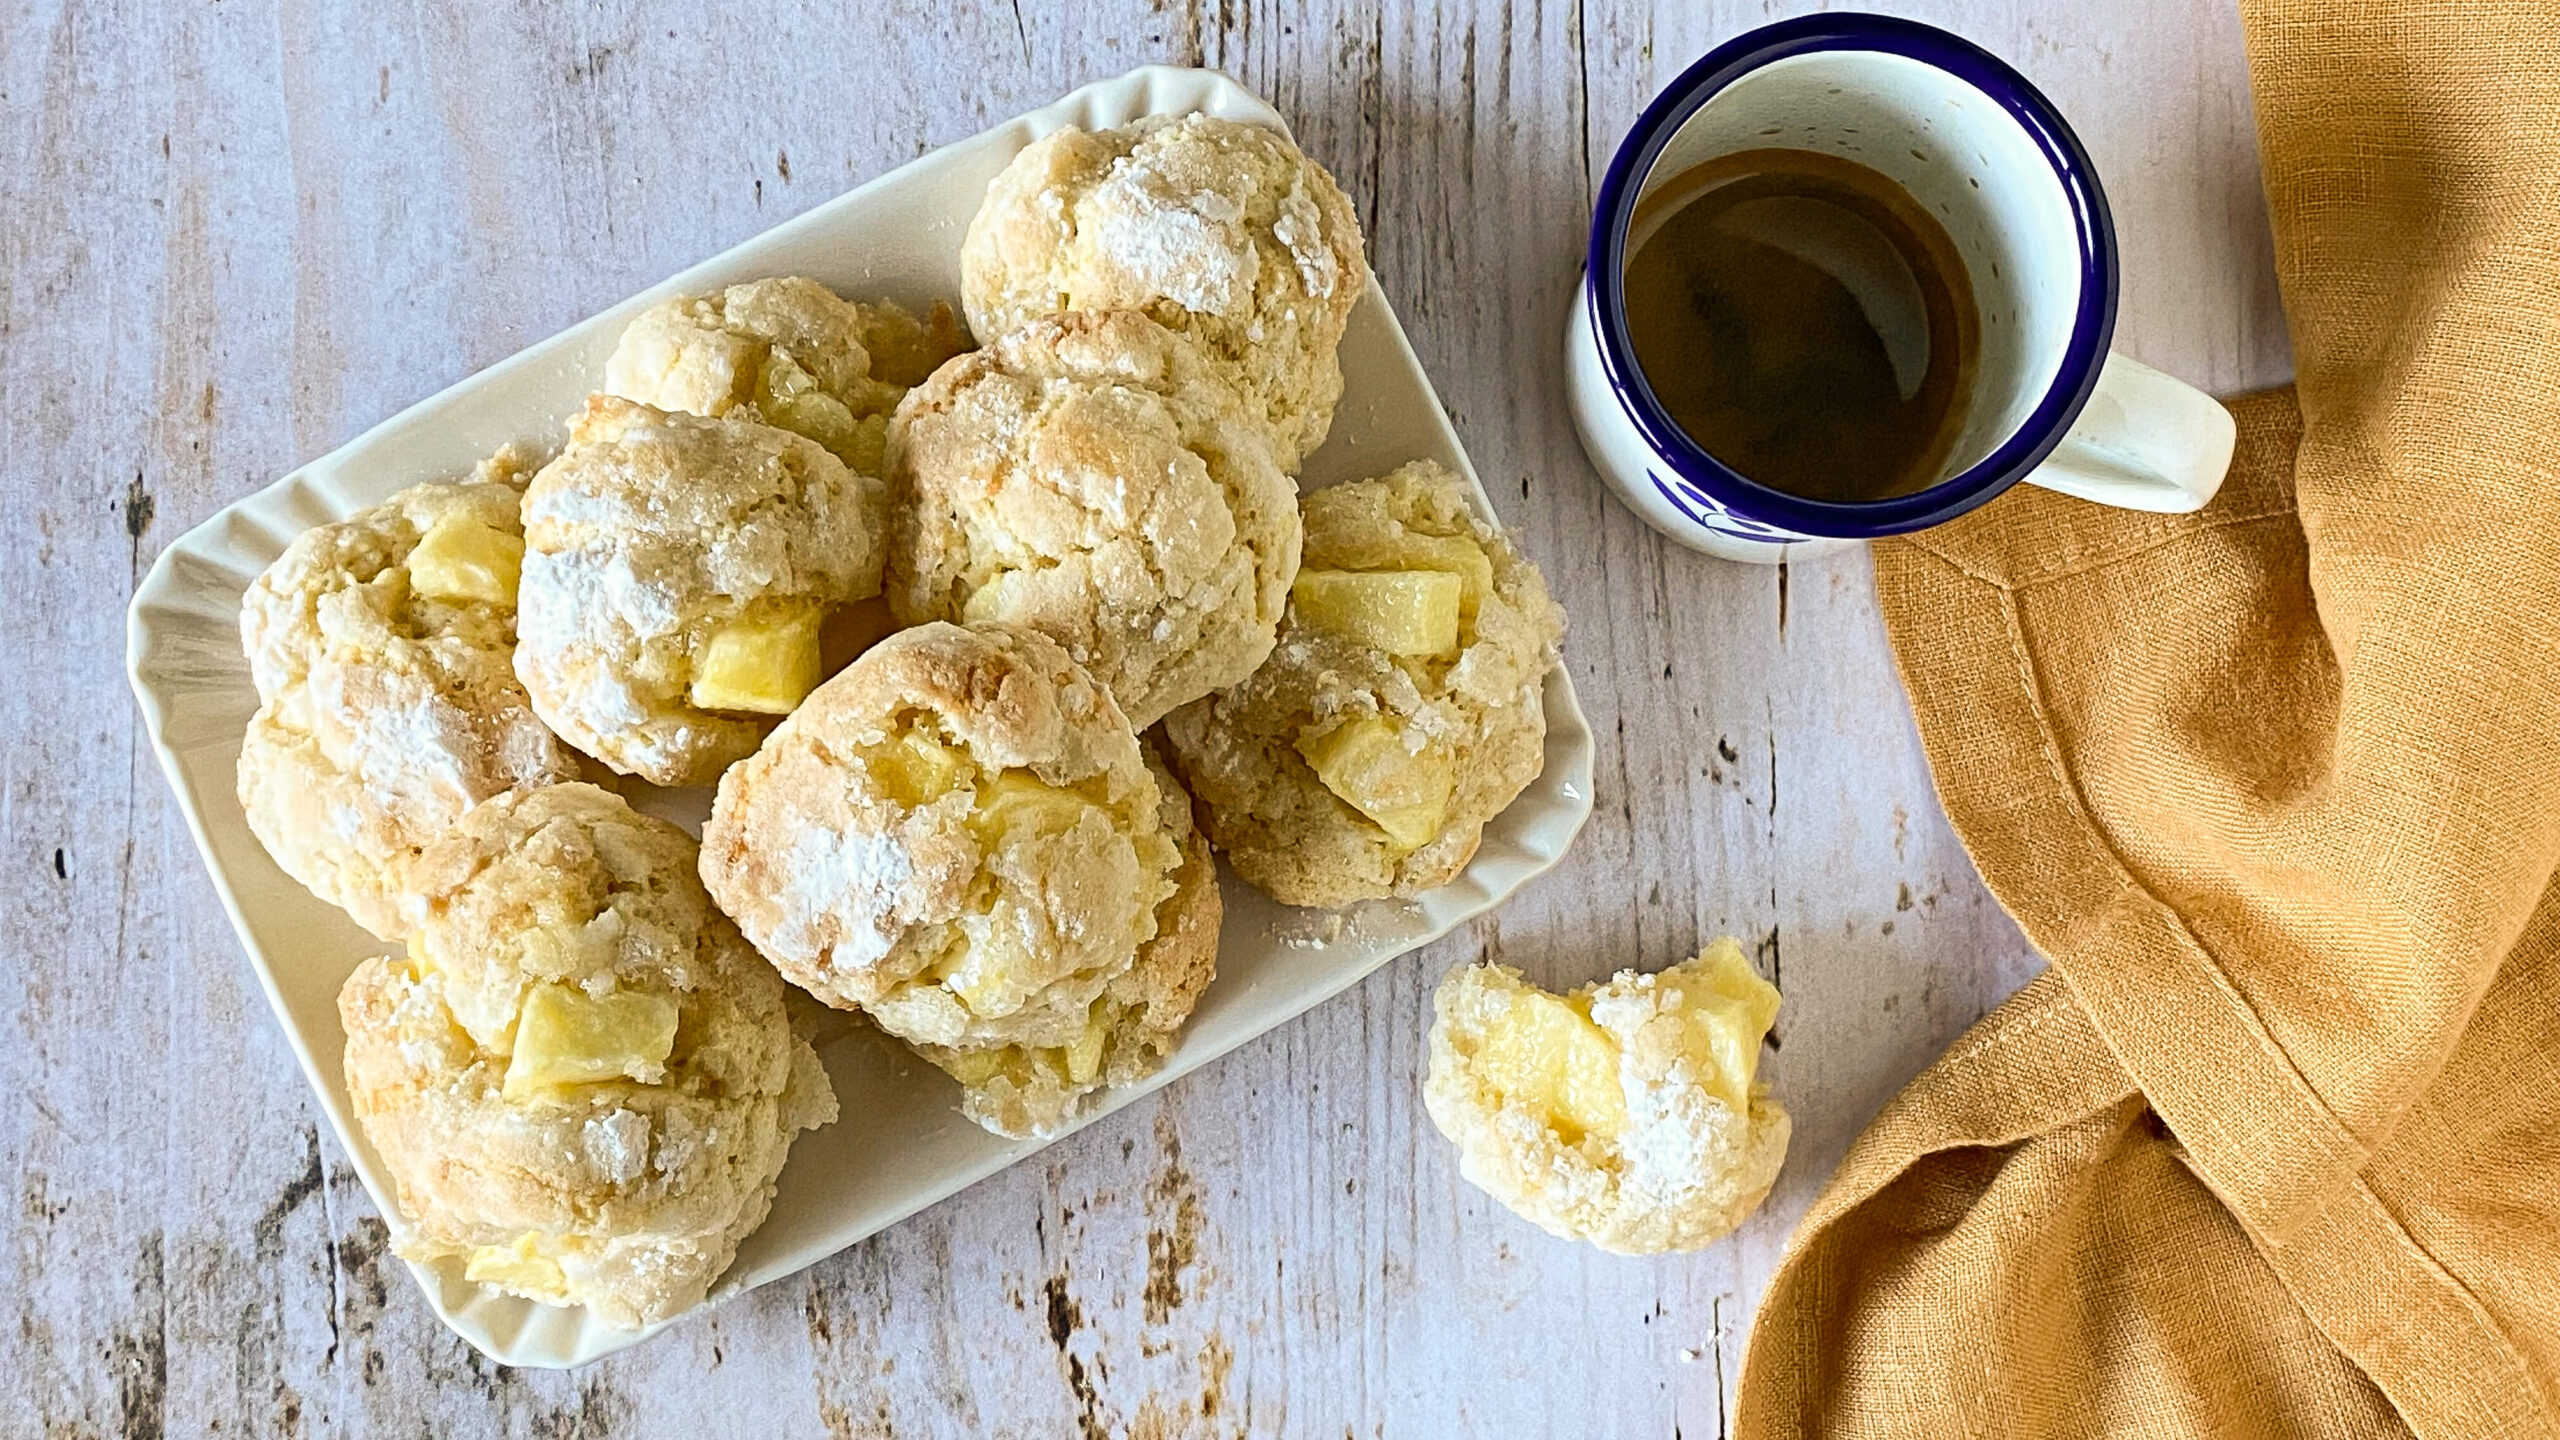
(2274, 1148)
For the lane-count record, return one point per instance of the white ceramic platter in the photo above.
(903, 1144)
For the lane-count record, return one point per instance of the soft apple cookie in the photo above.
(1034, 1090)
(677, 573)
(1624, 1114)
(1090, 477)
(1220, 229)
(956, 835)
(580, 1078)
(786, 351)
(1400, 710)
(388, 702)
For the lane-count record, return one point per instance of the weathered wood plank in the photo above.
(232, 235)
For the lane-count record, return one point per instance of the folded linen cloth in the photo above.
(2274, 1146)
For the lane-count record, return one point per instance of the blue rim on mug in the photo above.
(2092, 327)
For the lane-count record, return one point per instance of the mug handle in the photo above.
(2143, 442)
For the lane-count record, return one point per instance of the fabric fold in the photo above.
(2276, 789)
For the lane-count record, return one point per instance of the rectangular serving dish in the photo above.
(903, 1144)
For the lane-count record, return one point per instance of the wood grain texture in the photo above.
(233, 234)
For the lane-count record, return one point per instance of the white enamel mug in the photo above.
(1970, 139)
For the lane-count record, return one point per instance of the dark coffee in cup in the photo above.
(1805, 321)
(1850, 276)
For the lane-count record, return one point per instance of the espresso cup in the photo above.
(1989, 156)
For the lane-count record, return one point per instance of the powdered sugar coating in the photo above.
(1687, 1167)
(637, 1191)
(1090, 477)
(1013, 1090)
(651, 531)
(383, 714)
(1263, 805)
(910, 909)
(1217, 228)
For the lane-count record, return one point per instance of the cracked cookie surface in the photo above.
(381, 648)
(957, 835)
(1091, 478)
(788, 352)
(581, 1079)
(1400, 710)
(677, 573)
(1032, 1090)
(1220, 229)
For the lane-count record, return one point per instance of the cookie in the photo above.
(388, 705)
(1625, 1114)
(1400, 710)
(956, 835)
(1019, 1090)
(1090, 477)
(677, 573)
(1222, 230)
(581, 1080)
(788, 352)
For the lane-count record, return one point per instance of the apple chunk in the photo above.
(1403, 612)
(520, 1268)
(566, 1036)
(1019, 805)
(459, 558)
(763, 666)
(1365, 761)
(789, 397)
(916, 769)
(1542, 1050)
(1728, 1010)
(1455, 555)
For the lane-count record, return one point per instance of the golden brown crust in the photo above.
(384, 714)
(633, 1193)
(651, 531)
(1089, 477)
(787, 352)
(1264, 806)
(947, 924)
(1220, 229)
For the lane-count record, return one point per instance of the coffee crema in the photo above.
(1805, 321)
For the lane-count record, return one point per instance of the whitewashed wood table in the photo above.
(234, 233)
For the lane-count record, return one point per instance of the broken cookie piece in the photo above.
(1627, 1113)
